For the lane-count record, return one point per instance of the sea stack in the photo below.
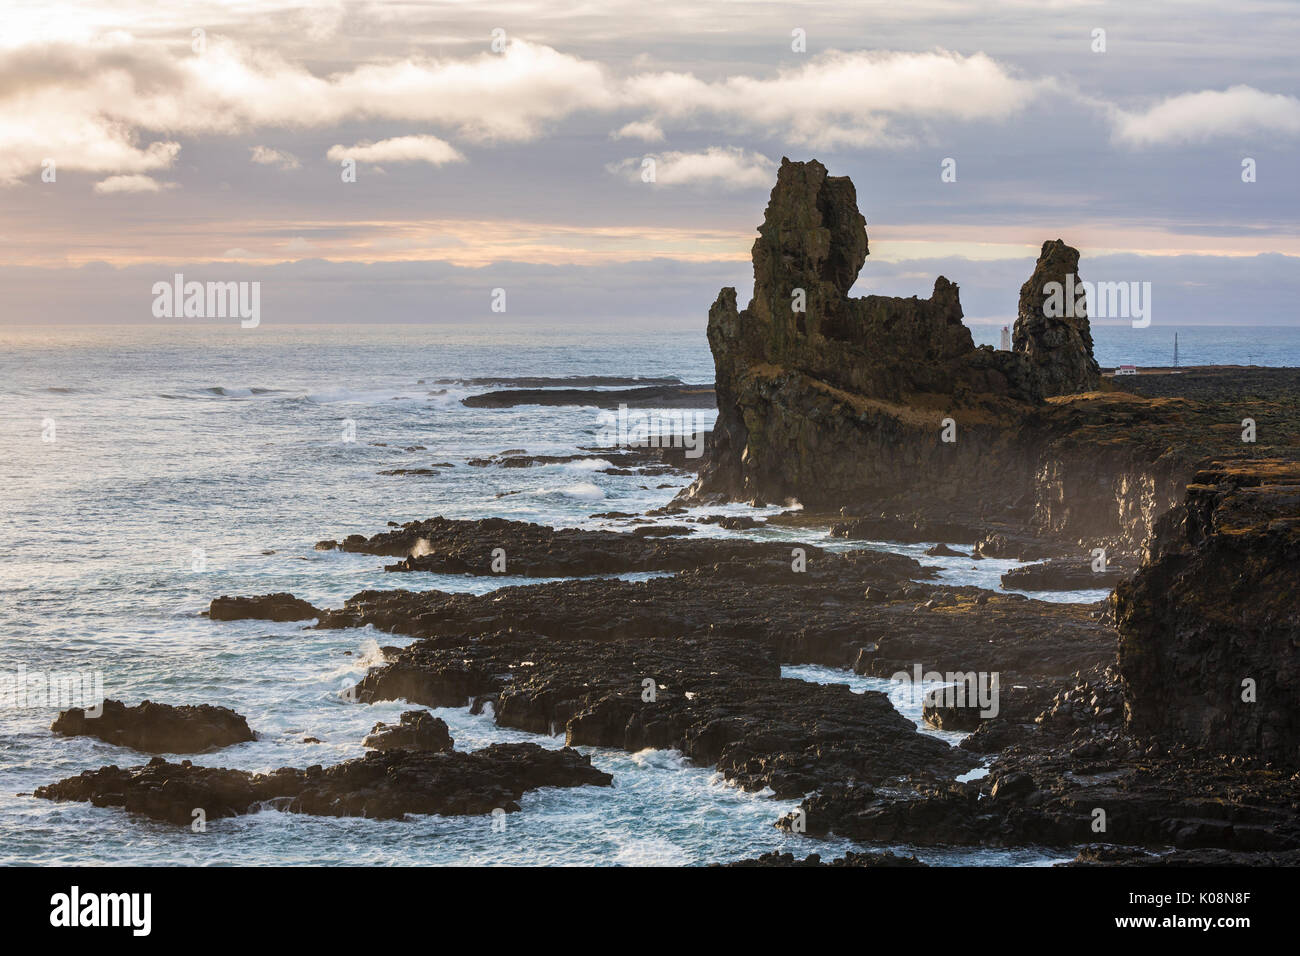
(1052, 324)
(841, 402)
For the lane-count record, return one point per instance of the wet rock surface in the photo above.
(415, 730)
(378, 785)
(861, 610)
(498, 546)
(263, 607)
(719, 701)
(657, 396)
(158, 728)
(1077, 777)
(1069, 574)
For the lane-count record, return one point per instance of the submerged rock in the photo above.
(158, 728)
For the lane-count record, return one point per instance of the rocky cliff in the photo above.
(1210, 627)
(880, 406)
(832, 399)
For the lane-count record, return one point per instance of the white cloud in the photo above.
(298, 244)
(400, 149)
(266, 156)
(131, 184)
(649, 132)
(841, 99)
(727, 167)
(1210, 114)
(87, 105)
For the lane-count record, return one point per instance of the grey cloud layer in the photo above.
(1186, 290)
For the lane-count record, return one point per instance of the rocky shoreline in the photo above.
(1160, 726)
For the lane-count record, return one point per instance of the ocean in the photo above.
(146, 470)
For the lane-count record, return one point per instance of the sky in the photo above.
(401, 161)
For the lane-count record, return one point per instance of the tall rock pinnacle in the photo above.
(1052, 324)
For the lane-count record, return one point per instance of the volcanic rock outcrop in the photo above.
(1210, 627)
(831, 399)
(158, 728)
(382, 786)
(416, 730)
(1052, 325)
(883, 410)
(263, 607)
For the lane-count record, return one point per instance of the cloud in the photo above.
(266, 156)
(299, 244)
(131, 184)
(728, 167)
(400, 149)
(649, 132)
(1210, 114)
(87, 105)
(841, 99)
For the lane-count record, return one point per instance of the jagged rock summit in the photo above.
(836, 400)
(1052, 330)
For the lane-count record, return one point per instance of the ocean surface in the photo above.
(146, 470)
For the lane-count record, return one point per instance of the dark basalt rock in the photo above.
(416, 730)
(732, 522)
(1131, 856)
(264, 607)
(1068, 574)
(678, 454)
(943, 551)
(1017, 546)
(448, 546)
(378, 785)
(851, 404)
(158, 728)
(1210, 627)
(810, 401)
(720, 701)
(1047, 786)
(767, 603)
(904, 528)
(661, 396)
(1059, 347)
